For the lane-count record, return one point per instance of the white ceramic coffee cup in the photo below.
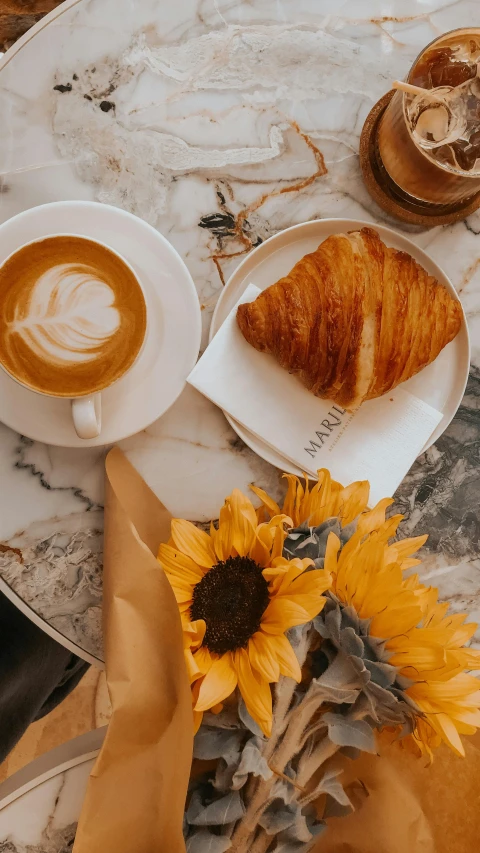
(86, 408)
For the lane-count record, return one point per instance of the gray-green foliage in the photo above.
(261, 791)
(311, 542)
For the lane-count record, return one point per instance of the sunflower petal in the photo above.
(331, 553)
(417, 658)
(290, 573)
(255, 691)
(203, 659)
(223, 537)
(308, 583)
(193, 633)
(311, 604)
(269, 539)
(404, 548)
(389, 528)
(219, 682)
(180, 584)
(409, 563)
(354, 500)
(321, 502)
(374, 519)
(260, 551)
(178, 564)
(282, 614)
(193, 542)
(192, 669)
(262, 656)
(467, 717)
(292, 504)
(268, 502)
(182, 595)
(244, 522)
(395, 620)
(286, 657)
(448, 731)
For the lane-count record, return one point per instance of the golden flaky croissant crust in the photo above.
(353, 319)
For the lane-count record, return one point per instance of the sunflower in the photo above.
(446, 694)
(418, 636)
(237, 596)
(326, 499)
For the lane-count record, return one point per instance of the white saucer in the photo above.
(173, 336)
(441, 384)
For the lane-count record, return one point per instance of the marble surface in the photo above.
(53, 807)
(40, 805)
(211, 120)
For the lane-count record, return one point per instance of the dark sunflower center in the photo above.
(232, 598)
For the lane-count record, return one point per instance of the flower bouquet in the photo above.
(305, 641)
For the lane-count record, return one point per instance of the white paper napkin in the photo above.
(379, 442)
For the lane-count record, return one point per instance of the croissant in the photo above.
(353, 319)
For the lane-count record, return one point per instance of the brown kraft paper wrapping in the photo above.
(136, 793)
(411, 807)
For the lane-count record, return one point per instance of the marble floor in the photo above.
(86, 708)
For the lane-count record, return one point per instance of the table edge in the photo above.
(32, 32)
(64, 757)
(41, 623)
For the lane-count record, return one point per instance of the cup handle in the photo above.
(87, 416)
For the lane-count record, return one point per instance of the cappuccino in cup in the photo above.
(73, 316)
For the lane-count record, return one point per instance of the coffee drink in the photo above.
(73, 316)
(428, 150)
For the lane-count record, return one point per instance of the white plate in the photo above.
(441, 384)
(173, 335)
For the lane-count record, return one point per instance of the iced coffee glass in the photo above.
(428, 146)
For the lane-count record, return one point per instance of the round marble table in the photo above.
(189, 114)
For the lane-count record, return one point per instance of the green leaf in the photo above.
(226, 719)
(382, 673)
(252, 761)
(278, 817)
(342, 677)
(299, 830)
(305, 541)
(225, 810)
(351, 643)
(248, 720)
(298, 835)
(338, 695)
(347, 532)
(357, 733)
(205, 842)
(215, 743)
(331, 786)
(284, 791)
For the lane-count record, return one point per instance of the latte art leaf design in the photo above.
(69, 315)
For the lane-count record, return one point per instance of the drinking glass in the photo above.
(427, 147)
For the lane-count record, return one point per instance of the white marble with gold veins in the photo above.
(211, 119)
